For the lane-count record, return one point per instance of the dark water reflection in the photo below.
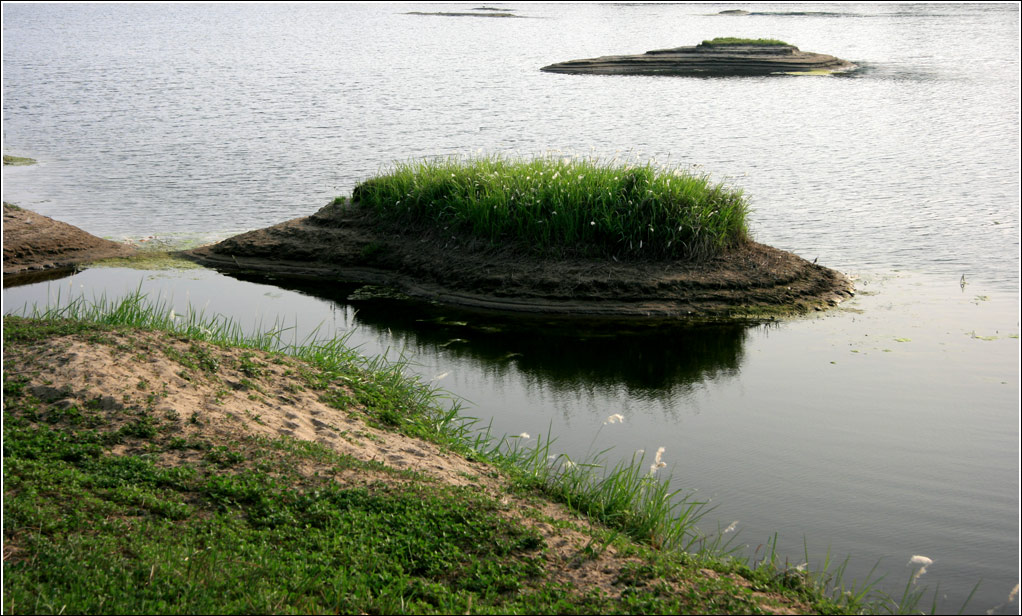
(646, 358)
(34, 277)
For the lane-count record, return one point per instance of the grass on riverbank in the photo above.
(552, 204)
(135, 501)
(730, 40)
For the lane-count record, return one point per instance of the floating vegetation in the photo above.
(18, 161)
(158, 261)
(976, 336)
(369, 292)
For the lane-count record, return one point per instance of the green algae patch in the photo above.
(157, 261)
(18, 161)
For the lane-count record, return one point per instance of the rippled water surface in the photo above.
(884, 429)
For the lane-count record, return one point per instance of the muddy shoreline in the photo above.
(37, 245)
(342, 243)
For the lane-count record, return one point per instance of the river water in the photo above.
(881, 430)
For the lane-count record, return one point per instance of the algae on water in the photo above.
(18, 161)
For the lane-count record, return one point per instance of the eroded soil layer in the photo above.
(33, 243)
(343, 243)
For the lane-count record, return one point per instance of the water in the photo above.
(883, 430)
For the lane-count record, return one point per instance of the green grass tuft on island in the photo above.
(578, 206)
(730, 40)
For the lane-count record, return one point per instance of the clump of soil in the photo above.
(34, 243)
(343, 242)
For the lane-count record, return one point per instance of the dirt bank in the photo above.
(33, 243)
(342, 243)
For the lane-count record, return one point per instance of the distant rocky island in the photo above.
(717, 57)
(482, 11)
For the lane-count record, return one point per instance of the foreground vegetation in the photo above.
(729, 40)
(552, 204)
(115, 506)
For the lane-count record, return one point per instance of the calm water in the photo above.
(882, 430)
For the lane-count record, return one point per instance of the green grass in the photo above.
(120, 534)
(559, 206)
(730, 40)
(18, 160)
(240, 528)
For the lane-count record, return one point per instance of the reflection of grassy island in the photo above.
(543, 236)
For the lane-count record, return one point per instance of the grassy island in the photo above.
(554, 205)
(717, 57)
(721, 41)
(545, 236)
(161, 463)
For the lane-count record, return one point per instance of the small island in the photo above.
(716, 57)
(482, 11)
(546, 236)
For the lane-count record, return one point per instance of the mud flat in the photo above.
(710, 59)
(34, 243)
(343, 242)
